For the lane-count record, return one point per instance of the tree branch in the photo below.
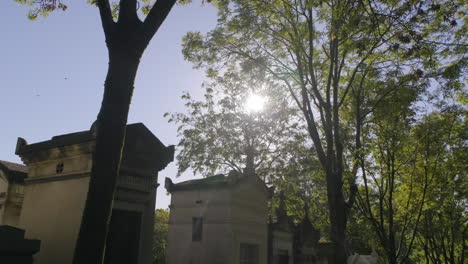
(106, 17)
(128, 11)
(156, 17)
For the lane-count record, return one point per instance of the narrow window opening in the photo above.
(197, 228)
(59, 168)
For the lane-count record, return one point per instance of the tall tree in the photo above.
(406, 148)
(443, 232)
(319, 51)
(242, 124)
(126, 40)
(411, 193)
(127, 37)
(392, 207)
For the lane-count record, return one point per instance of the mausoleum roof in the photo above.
(15, 172)
(16, 167)
(212, 181)
(74, 138)
(215, 181)
(142, 147)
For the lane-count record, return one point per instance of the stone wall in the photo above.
(232, 215)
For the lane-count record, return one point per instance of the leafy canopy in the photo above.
(219, 133)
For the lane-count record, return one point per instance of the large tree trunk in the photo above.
(111, 126)
(126, 40)
(337, 207)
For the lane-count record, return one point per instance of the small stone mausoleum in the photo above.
(12, 177)
(56, 186)
(218, 220)
(225, 220)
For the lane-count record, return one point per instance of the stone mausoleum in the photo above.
(12, 177)
(50, 192)
(225, 220)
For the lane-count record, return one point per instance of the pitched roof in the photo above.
(14, 167)
(216, 181)
(15, 172)
(213, 181)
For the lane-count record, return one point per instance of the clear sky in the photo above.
(52, 72)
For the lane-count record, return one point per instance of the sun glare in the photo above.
(255, 103)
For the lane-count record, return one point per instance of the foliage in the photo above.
(380, 88)
(42, 8)
(392, 193)
(340, 61)
(405, 162)
(160, 233)
(303, 186)
(219, 133)
(443, 233)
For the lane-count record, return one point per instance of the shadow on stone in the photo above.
(14, 248)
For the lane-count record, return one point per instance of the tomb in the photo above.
(218, 220)
(12, 177)
(280, 236)
(56, 186)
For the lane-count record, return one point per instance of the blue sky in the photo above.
(52, 72)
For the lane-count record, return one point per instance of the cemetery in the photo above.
(234, 132)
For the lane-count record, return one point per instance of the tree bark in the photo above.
(126, 41)
(337, 207)
(110, 126)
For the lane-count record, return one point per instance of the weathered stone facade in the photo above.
(280, 237)
(218, 220)
(56, 187)
(12, 177)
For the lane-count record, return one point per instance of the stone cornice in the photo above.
(38, 180)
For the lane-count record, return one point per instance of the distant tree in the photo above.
(161, 229)
(392, 208)
(220, 133)
(409, 152)
(443, 232)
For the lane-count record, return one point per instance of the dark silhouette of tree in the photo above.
(126, 40)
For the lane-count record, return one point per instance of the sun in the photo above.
(255, 103)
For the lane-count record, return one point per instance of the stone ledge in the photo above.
(36, 180)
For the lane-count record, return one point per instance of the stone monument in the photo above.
(56, 187)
